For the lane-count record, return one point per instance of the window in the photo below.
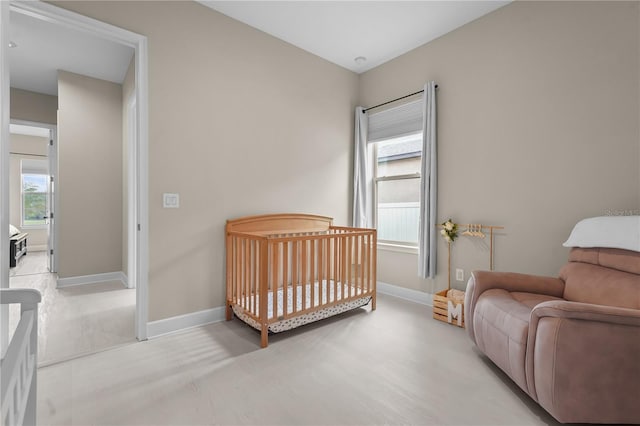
(397, 186)
(34, 199)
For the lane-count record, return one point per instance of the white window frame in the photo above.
(399, 246)
(22, 209)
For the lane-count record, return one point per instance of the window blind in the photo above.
(35, 167)
(402, 120)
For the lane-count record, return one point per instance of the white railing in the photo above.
(398, 221)
(19, 366)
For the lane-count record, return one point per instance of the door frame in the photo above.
(138, 212)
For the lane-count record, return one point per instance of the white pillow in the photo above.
(13, 230)
(622, 232)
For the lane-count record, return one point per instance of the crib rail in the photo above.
(19, 365)
(303, 271)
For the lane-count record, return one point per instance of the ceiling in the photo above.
(43, 48)
(340, 31)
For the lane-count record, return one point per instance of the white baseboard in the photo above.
(405, 293)
(92, 279)
(31, 247)
(183, 322)
(196, 319)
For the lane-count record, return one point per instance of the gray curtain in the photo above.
(428, 186)
(362, 175)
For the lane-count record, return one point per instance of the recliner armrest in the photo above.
(582, 361)
(482, 281)
(585, 311)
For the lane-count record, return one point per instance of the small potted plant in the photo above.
(449, 231)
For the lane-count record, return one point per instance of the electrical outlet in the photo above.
(459, 274)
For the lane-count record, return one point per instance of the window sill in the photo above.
(398, 248)
(33, 227)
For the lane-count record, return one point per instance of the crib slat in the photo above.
(304, 275)
(285, 279)
(254, 278)
(336, 266)
(247, 273)
(360, 263)
(274, 277)
(343, 269)
(238, 265)
(327, 261)
(356, 261)
(320, 269)
(312, 277)
(294, 275)
(349, 264)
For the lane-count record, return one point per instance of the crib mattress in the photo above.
(325, 291)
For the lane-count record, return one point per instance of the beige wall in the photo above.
(24, 147)
(538, 128)
(89, 213)
(128, 90)
(31, 106)
(240, 123)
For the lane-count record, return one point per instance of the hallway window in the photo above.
(34, 199)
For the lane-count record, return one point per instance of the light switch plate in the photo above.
(459, 274)
(170, 201)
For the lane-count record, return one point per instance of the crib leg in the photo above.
(373, 302)
(229, 313)
(263, 336)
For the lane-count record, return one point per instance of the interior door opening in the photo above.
(31, 187)
(136, 153)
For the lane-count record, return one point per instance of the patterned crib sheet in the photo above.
(324, 290)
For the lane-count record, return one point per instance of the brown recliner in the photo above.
(571, 343)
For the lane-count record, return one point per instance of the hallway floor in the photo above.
(79, 320)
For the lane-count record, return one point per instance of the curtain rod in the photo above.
(394, 100)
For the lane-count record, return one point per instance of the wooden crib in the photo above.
(287, 270)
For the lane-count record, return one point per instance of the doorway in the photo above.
(31, 180)
(137, 241)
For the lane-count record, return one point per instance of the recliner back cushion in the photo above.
(589, 283)
(622, 260)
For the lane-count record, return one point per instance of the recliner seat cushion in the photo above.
(501, 324)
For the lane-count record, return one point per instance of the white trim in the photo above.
(39, 247)
(4, 169)
(74, 21)
(196, 319)
(405, 293)
(138, 212)
(398, 248)
(183, 322)
(92, 279)
(132, 196)
(141, 209)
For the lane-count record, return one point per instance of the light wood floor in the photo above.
(78, 320)
(393, 366)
